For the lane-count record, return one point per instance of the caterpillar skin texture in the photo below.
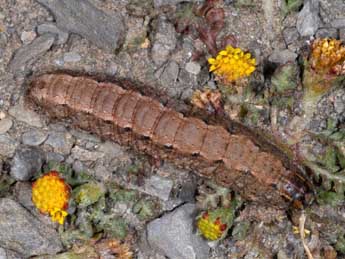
(143, 123)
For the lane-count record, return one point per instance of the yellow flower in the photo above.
(212, 230)
(327, 55)
(58, 215)
(50, 194)
(232, 64)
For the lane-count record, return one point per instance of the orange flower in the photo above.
(327, 56)
(50, 194)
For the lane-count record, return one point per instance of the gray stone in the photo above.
(282, 56)
(308, 20)
(159, 186)
(342, 34)
(331, 11)
(27, 36)
(34, 137)
(78, 166)
(291, 35)
(339, 106)
(193, 67)
(85, 155)
(61, 141)
(170, 73)
(338, 23)
(62, 36)
(85, 136)
(81, 17)
(8, 254)
(187, 191)
(51, 156)
(71, 57)
(21, 232)
(168, 76)
(112, 150)
(26, 162)
(164, 41)
(23, 193)
(327, 33)
(7, 145)
(3, 254)
(28, 54)
(22, 113)
(101, 173)
(172, 235)
(5, 125)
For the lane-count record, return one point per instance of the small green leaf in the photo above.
(240, 231)
(88, 194)
(114, 226)
(340, 245)
(331, 198)
(144, 209)
(294, 5)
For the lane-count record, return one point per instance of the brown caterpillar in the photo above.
(127, 117)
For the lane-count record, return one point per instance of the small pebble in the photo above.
(193, 68)
(5, 125)
(71, 57)
(2, 115)
(34, 137)
(27, 36)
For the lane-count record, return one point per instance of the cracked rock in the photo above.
(159, 186)
(164, 41)
(172, 235)
(308, 20)
(62, 36)
(23, 233)
(28, 54)
(83, 18)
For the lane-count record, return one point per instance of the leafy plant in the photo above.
(204, 22)
(291, 6)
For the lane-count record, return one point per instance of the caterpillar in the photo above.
(143, 123)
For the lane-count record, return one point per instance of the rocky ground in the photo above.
(134, 201)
